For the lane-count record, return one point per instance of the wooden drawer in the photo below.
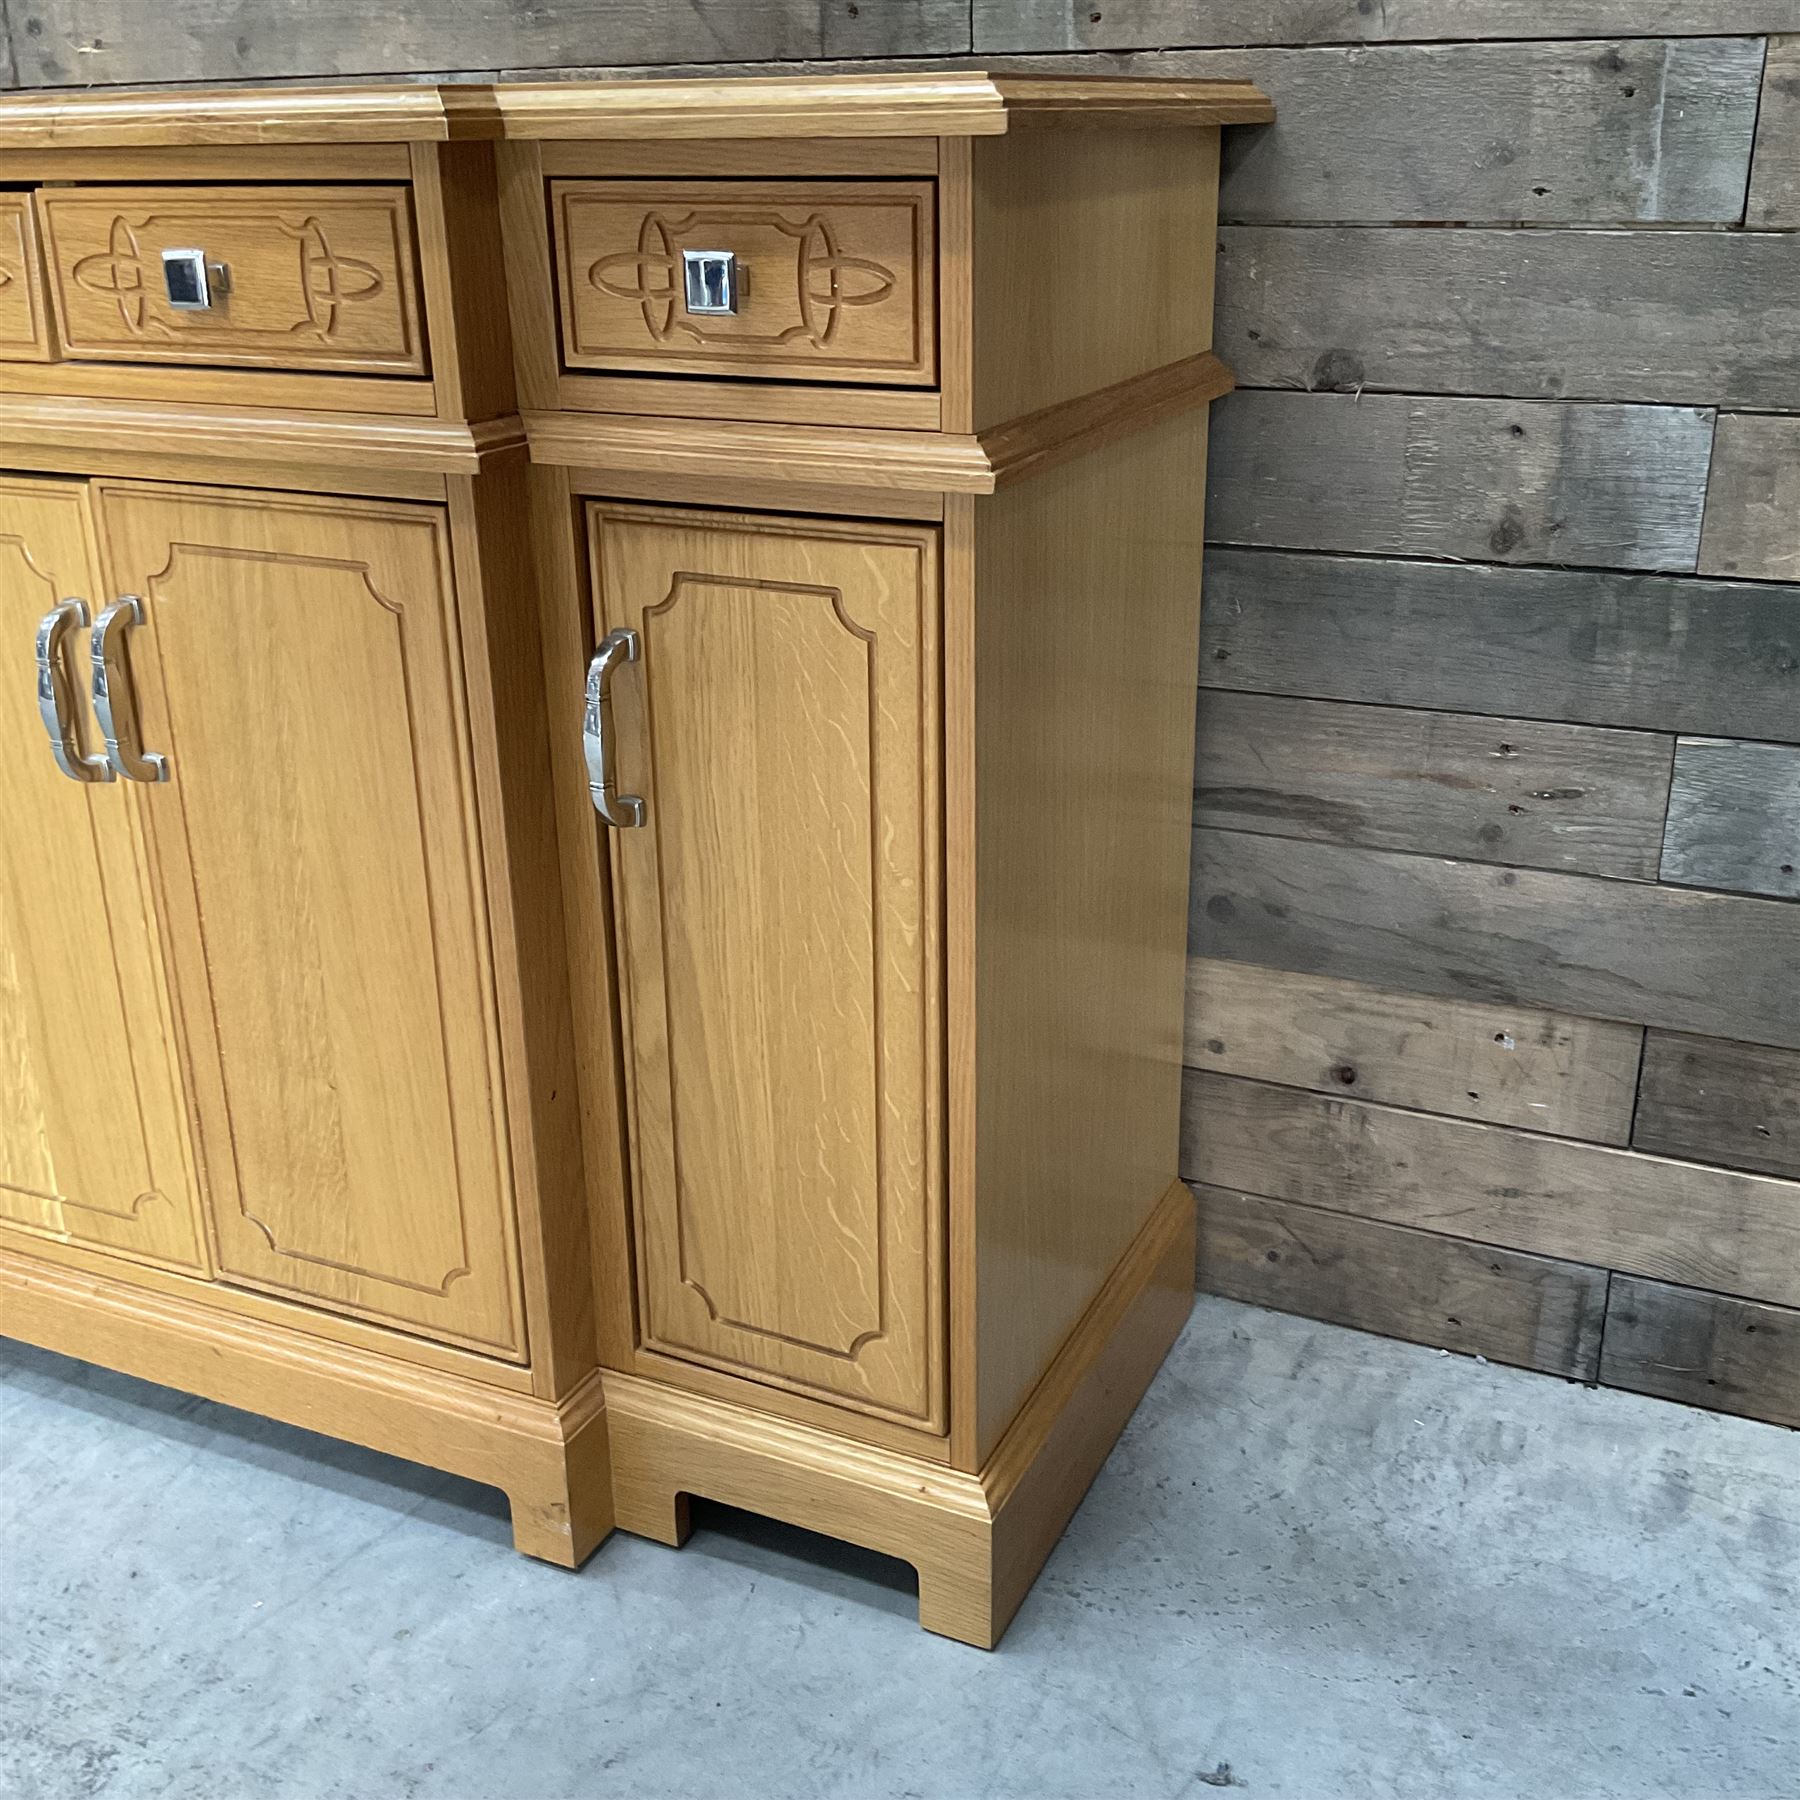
(24, 314)
(317, 277)
(837, 279)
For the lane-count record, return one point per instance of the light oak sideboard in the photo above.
(598, 764)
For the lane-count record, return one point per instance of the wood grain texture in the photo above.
(1774, 201)
(80, 42)
(976, 1539)
(1532, 1311)
(257, 117)
(1081, 743)
(509, 739)
(729, 103)
(84, 1016)
(836, 277)
(1719, 1102)
(1013, 25)
(26, 332)
(1734, 817)
(1709, 963)
(1701, 318)
(323, 900)
(307, 439)
(1486, 480)
(549, 1458)
(727, 449)
(778, 952)
(1125, 219)
(319, 278)
(1621, 131)
(1645, 651)
(1507, 1065)
(1703, 1349)
(1585, 1203)
(1753, 504)
(1500, 790)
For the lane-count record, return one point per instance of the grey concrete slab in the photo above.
(1320, 1566)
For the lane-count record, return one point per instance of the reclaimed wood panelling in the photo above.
(1529, 1310)
(1615, 132)
(1490, 480)
(1715, 657)
(1718, 1102)
(1714, 964)
(1501, 790)
(1775, 169)
(1627, 131)
(1734, 818)
(1127, 24)
(1507, 1065)
(61, 43)
(1731, 1355)
(1753, 505)
(1586, 1203)
(1696, 318)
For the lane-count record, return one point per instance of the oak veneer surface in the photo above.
(321, 882)
(24, 310)
(319, 278)
(837, 279)
(1081, 734)
(83, 1029)
(778, 944)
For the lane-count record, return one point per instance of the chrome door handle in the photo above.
(115, 704)
(615, 808)
(56, 693)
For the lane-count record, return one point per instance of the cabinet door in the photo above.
(321, 876)
(779, 939)
(93, 1132)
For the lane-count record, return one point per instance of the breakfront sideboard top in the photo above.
(961, 103)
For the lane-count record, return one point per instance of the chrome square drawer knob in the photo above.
(191, 282)
(711, 280)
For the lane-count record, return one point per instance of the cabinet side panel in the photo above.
(1093, 261)
(1086, 640)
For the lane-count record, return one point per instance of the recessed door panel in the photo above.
(300, 669)
(779, 939)
(93, 1135)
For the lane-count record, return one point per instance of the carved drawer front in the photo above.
(295, 277)
(829, 281)
(24, 311)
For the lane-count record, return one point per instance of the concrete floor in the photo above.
(1320, 1566)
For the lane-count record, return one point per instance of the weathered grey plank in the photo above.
(1507, 1065)
(63, 42)
(1129, 24)
(1715, 657)
(1585, 1203)
(1775, 169)
(1719, 1102)
(1734, 818)
(1500, 790)
(1528, 1310)
(1707, 1350)
(1486, 480)
(1753, 505)
(1709, 963)
(1624, 131)
(1683, 317)
(9, 72)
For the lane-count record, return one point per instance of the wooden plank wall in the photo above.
(1494, 1001)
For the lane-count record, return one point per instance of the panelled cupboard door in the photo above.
(93, 1129)
(779, 940)
(320, 864)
